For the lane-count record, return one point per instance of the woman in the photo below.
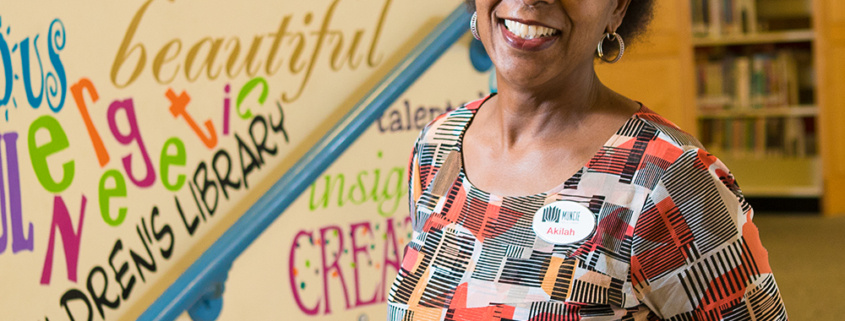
(560, 199)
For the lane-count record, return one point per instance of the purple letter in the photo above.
(4, 232)
(19, 241)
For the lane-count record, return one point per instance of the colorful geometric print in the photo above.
(674, 238)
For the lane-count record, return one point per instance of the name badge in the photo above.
(564, 222)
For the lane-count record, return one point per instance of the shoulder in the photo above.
(667, 137)
(688, 166)
(440, 136)
(448, 127)
(672, 155)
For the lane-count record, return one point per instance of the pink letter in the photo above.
(355, 250)
(396, 262)
(134, 134)
(334, 266)
(70, 239)
(291, 268)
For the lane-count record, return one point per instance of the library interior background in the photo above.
(133, 134)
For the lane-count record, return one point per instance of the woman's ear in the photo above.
(620, 8)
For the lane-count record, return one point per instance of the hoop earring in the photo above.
(611, 37)
(473, 25)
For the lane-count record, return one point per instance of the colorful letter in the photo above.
(361, 249)
(247, 88)
(121, 56)
(6, 56)
(70, 239)
(327, 269)
(34, 101)
(53, 45)
(134, 134)
(180, 159)
(227, 109)
(293, 284)
(178, 105)
(19, 241)
(106, 194)
(38, 154)
(396, 262)
(76, 90)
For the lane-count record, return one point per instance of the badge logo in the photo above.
(564, 222)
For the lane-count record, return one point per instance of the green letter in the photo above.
(119, 190)
(265, 89)
(168, 159)
(38, 154)
(327, 194)
(397, 193)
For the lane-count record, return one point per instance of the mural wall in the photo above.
(133, 133)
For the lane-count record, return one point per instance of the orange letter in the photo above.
(178, 104)
(76, 90)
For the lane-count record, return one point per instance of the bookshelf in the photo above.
(815, 29)
(786, 111)
(756, 99)
(757, 38)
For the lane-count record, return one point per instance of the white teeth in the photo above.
(528, 31)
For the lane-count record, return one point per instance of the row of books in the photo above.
(748, 82)
(760, 137)
(718, 18)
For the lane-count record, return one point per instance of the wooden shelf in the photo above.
(788, 111)
(775, 176)
(782, 191)
(757, 38)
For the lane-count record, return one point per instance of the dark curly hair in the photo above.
(637, 19)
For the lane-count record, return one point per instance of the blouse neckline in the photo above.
(474, 106)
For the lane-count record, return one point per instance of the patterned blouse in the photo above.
(673, 238)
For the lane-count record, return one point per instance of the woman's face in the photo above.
(539, 42)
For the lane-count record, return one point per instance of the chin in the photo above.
(524, 77)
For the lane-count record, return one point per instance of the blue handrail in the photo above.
(213, 265)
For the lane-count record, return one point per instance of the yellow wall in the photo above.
(331, 54)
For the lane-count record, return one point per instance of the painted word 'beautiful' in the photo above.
(132, 51)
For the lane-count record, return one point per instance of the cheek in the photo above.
(589, 15)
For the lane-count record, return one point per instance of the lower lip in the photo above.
(517, 42)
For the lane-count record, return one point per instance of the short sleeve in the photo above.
(696, 253)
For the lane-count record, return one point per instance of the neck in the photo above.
(535, 114)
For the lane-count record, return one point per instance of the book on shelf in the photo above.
(748, 82)
(720, 18)
(760, 137)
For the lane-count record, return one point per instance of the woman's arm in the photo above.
(697, 254)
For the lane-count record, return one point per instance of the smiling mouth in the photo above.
(528, 31)
(527, 36)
